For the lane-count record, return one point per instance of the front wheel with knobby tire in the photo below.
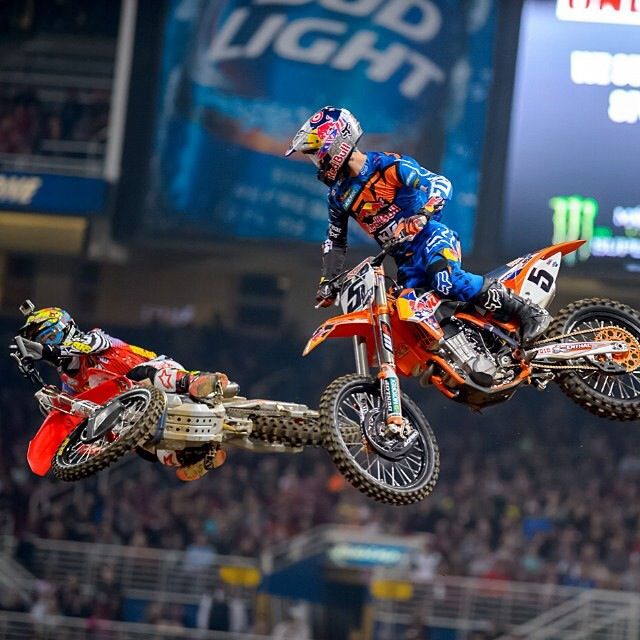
(395, 469)
(607, 385)
(123, 423)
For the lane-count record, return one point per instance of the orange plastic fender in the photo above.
(357, 323)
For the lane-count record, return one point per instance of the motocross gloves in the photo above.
(34, 350)
(325, 296)
(408, 228)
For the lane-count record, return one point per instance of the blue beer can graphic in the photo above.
(240, 77)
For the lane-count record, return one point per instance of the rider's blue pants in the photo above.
(433, 261)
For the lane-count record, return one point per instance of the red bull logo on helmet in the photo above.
(602, 11)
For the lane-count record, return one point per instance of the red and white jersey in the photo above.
(92, 357)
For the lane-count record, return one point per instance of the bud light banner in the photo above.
(48, 193)
(240, 77)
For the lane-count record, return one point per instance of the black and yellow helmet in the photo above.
(51, 325)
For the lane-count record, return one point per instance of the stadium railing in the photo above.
(143, 573)
(22, 626)
(525, 610)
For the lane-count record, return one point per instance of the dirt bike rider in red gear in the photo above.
(50, 334)
(398, 202)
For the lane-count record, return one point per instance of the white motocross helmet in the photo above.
(328, 137)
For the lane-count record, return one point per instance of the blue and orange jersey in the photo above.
(389, 187)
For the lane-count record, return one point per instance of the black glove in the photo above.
(325, 296)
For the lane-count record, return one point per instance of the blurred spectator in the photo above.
(45, 603)
(93, 17)
(214, 611)
(34, 125)
(427, 562)
(199, 555)
(108, 596)
(295, 625)
(71, 600)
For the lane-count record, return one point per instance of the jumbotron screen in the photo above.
(573, 163)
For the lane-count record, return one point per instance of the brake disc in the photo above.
(389, 446)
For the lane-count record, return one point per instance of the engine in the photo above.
(478, 353)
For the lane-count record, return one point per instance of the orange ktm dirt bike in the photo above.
(380, 439)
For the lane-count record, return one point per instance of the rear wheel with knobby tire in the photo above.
(608, 386)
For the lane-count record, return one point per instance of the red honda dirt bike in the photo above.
(85, 433)
(380, 439)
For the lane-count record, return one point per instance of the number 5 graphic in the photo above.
(542, 278)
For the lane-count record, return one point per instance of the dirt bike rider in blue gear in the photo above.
(399, 202)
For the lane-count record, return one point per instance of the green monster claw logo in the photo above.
(574, 219)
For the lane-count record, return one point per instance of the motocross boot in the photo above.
(200, 468)
(203, 384)
(504, 304)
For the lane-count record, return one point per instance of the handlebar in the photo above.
(25, 363)
(335, 282)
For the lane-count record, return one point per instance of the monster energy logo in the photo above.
(574, 219)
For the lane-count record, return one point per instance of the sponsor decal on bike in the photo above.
(424, 306)
(321, 332)
(63, 446)
(392, 395)
(402, 350)
(145, 353)
(578, 347)
(565, 348)
(385, 335)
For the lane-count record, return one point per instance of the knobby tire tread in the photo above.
(294, 432)
(139, 432)
(570, 382)
(350, 470)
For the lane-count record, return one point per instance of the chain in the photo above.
(573, 333)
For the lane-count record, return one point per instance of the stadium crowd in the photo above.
(64, 17)
(533, 491)
(32, 123)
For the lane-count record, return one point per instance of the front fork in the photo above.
(389, 382)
